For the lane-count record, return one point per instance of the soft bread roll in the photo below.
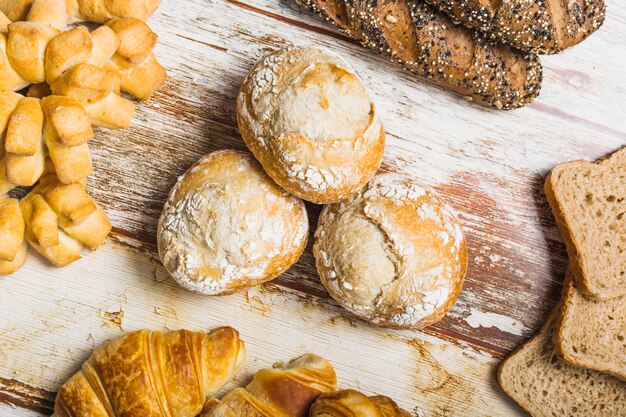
(308, 119)
(394, 254)
(287, 390)
(351, 403)
(152, 374)
(227, 226)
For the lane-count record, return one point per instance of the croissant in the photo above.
(152, 374)
(13, 247)
(351, 403)
(61, 218)
(97, 11)
(285, 391)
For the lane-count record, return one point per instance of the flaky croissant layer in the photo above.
(152, 374)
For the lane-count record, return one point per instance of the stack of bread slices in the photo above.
(71, 78)
(576, 365)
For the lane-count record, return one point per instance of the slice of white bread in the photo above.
(544, 385)
(589, 202)
(591, 333)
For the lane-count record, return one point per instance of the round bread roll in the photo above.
(227, 226)
(393, 254)
(306, 116)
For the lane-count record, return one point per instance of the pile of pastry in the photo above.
(72, 79)
(484, 50)
(178, 373)
(576, 364)
(387, 248)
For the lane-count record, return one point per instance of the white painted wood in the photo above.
(490, 165)
(58, 316)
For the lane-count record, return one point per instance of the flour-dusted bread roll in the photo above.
(227, 226)
(394, 254)
(308, 119)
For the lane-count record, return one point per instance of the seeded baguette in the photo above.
(591, 333)
(427, 43)
(545, 385)
(544, 26)
(589, 203)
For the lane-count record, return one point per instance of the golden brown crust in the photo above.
(287, 390)
(141, 73)
(351, 403)
(11, 228)
(97, 90)
(98, 11)
(307, 118)
(394, 253)
(227, 226)
(152, 374)
(60, 218)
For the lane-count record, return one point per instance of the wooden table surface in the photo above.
(490, 165)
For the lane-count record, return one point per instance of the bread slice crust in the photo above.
(609, 229)
(590, 333)
(554, 388)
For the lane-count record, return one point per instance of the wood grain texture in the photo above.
(490, 165)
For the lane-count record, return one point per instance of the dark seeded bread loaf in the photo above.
(545, 385)
(545, 26)
(589, 203)
(592, 334)
(427, 43)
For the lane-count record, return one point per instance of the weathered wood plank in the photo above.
(490, 165)
(99, 297)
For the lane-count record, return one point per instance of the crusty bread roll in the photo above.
(394, 254)
(227, 226)
(308, 119)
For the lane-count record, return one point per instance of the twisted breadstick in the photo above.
(13, 247)
(76, 77)
(36, 50)
(61, 218)
(97, 11)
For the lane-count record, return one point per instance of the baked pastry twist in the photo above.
(152, 374)
(98, 11)
(13, 247)
(61, 218)
(76, 79)
(285, 391)
(351, 403)
(41, 50)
